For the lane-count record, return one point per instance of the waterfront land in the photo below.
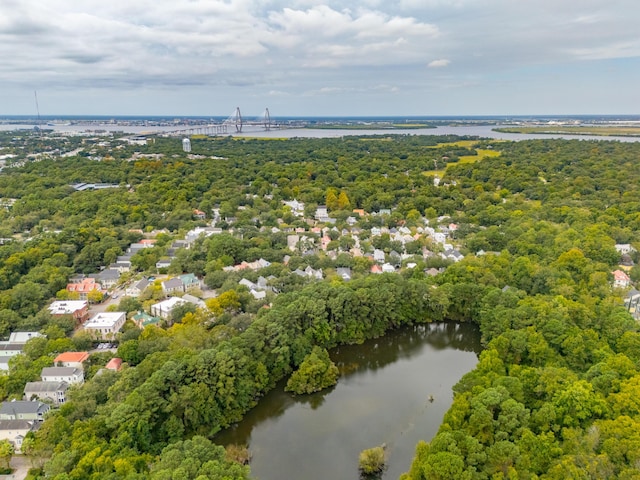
(605, 131)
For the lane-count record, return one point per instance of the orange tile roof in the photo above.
(85, 286)
(72, 357)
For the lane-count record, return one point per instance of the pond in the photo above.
(383, 396)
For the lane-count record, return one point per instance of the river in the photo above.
(485, 131)
(381, 397)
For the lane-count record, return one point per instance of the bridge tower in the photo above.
(238, 120)
(267, 119)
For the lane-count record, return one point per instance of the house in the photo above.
(432, 272)
(109, 276)
(292, 242)
(84, 287)
(114, 364)
(624, 248)
(105, 325)
(388, 268)
(163, 309)
(359, 211)
(297, 208)
(54, 392)
(70, 375)
(16, 430)
(163, 264)
(137, 288)
(14, 346)
(122, 266)
(324, 242)
(71, 359)
(7, 352)
(631, 301)
(78, 309)
(321, 212)
(189, 281)
(23, 337)
(172, 285)
(621, 279)
(379, 256)
(194, 300)
(142, 319)
(377, 269)
(344, 273)
(311, 273)
(23, 410)
(258, 294)
(452, 254)
(193, 235)
(199, 214)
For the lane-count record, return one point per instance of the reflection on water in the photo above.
(382, 397)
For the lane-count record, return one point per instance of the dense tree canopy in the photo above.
(554, 394)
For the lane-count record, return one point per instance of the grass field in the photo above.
(568, 130)
(481, 153)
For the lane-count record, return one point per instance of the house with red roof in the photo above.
(71, 359)
(114, 364)
(621, 279)
(85, 286)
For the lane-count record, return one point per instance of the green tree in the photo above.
(6, 452)
(315, 373)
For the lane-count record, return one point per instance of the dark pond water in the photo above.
(382, 397)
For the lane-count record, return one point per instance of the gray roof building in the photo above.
(53, 391)
(23, 410)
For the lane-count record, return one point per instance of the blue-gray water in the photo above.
(486, 131)
(381, 397)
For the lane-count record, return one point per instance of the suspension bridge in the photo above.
(234, 123)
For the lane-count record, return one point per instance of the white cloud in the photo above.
(299, 46)
(443, 62)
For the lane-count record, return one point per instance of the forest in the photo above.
(552, 396)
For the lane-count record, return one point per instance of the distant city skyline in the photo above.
(308, 58)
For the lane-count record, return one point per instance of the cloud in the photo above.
(301, 46)
(443, 62)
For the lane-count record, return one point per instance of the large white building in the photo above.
(163, 309)
(105, 325)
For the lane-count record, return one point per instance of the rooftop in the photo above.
(72, 357)
(66, 307)
(60, 371)
(104, 319)
(22, 407)
(36, 387)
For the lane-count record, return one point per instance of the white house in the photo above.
(70, 375)
(624, 248)
(16, 430)
(378, 255)
(163, 309)
(137, 288)
(621, 279)
(297, 208)
(105, 325)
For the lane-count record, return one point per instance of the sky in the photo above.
(309, 58)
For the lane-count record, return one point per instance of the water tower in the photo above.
(186, 144)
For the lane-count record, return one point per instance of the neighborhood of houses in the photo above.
(321, 236)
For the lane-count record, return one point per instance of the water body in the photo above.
(382, 397)
(485, 131)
